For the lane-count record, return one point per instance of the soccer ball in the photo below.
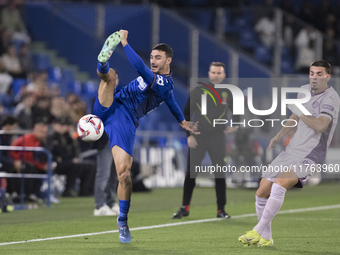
(90, 128)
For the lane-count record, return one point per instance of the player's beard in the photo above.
(160, 68)
(318, 84)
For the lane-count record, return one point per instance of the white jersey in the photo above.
(308, 143)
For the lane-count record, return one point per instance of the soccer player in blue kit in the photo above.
(120, 111)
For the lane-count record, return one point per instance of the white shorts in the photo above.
(303, 167)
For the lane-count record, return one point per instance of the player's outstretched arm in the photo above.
(176, 111)
(317, 124)
(290, 127)
(190, 126)
(135, 60)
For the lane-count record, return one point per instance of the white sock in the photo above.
(272, 207)
(260, 203)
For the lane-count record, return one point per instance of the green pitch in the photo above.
(310, 232)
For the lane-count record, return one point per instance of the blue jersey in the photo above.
(140, 98)
(148, 91)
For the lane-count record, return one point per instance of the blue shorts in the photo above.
(118, 125)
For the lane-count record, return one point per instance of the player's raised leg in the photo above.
(107, 86)
(109, 46)
(109, 78)
(123, 163)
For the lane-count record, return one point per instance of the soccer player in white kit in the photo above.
(306, 149)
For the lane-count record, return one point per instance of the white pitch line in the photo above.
(177, 224)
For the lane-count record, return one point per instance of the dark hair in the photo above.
(218, 64)
(322, 63)
(8, 120)
(164, 47)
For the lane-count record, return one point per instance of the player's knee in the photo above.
(124, 177)
(263, 192)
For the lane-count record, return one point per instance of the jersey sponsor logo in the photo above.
(141, 83)
(160, 80)
(328, 107)
(307, 162)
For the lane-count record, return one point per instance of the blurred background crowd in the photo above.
(39, 90)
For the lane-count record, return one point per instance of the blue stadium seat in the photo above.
(248, 15)
(42, 61)
(262, 53)
(17, 84)
(202, 17)
(6, 100)
(89, 89)
(229, 28)
(75, 87)
(285, 52)
(287, 65)
(241, 24)
(248, 39)
(68, 83)
(54, 74)
(17, 44)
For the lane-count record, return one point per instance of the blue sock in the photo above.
(103, 67)
(124, 206)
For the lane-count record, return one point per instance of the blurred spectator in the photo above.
(329, 23)
(23, 111)
(306, 55)
(12, 20)
(307, 12)
(288, 32)
(265, 27)
(3, 3)
(39, 84)
(78, 109)
(1, 110)
(59, 107)
(305, 37)
(5, 40)
(105, 184)
(71, 98)
(33, 162)
(26, 61)
(267, 4)
(330, 33)
(42, 109)
(12, 63)
(324, 15)
(65, 153)
(8, 123)
(5, 80)
(287, 5)
(337, 23)
(330, 54)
